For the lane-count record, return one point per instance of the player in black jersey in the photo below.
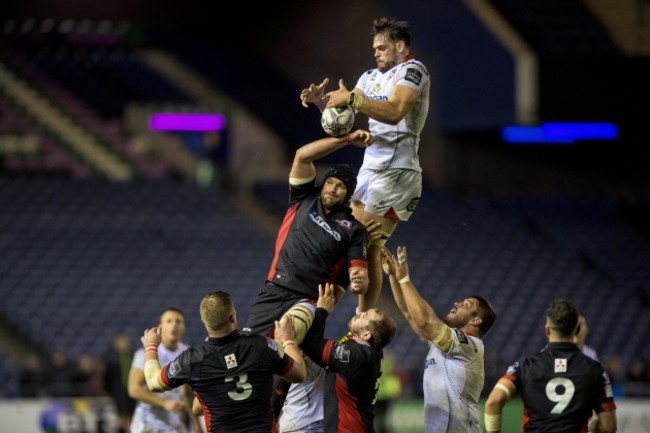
(559, 386)
(318, 241)
(353, 364)
(232, 372)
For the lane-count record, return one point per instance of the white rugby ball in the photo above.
(337, 121)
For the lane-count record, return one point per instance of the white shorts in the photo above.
(396, 188)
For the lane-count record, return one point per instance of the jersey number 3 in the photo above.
(563, 399)
(243, 389)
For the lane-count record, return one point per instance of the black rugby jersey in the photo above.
(351, 379)
(560, 387)
(315, 246)
(232, 377)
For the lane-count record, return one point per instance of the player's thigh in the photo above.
(393, 192)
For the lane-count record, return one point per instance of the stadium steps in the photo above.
(628, 21)
(83, 144)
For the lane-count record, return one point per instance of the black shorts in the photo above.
(271, 303)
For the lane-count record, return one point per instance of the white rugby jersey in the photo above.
(396, 146)
(148, 418)
(452, 384)
(304, 402)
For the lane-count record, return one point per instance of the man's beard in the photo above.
(387, 66)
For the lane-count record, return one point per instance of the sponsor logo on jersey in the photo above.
(461, 336)
(414, 76)
(342, 353)
(231, 360)
(323, 224)
(560, 365)
(173, 369)
(428, 362)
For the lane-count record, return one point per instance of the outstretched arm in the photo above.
(420, 315)
(390, 111)
(315, 345)
(303, 168)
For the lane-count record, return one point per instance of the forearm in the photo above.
(189, 399)
(320, 148)
(144, 395)
(314, 340)
(382, 111)
(398, 295)
(492, 418)
(152, 371)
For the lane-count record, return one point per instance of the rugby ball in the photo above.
(337, 121)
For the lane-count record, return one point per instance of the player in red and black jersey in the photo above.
(353, 364)
(559, 386)
(231, 373)
(319, 240)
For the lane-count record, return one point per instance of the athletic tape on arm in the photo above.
(152, 376)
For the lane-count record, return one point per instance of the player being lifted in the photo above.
(318, 242)
(395, 97)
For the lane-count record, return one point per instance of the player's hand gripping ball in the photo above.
(337, 121)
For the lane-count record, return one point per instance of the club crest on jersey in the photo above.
(174, 368)
(346, 224)
(323, 224)
(560, 365)
(414, 76)
(342, 353)
(413, 204)
(231, 360)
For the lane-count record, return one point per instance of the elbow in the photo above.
(393, 120)
(302, 156)
(493, 405)
(133, 393)
(302, 375)
(394, 117)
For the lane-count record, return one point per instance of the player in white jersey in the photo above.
(166, 412)
(454, 371)
(395, 97)
(581, 336)
(303, 408)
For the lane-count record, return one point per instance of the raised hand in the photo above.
(338, 97)
(314, 93)
(326, 297)
(360, 138)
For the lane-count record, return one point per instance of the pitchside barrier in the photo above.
(97, 415)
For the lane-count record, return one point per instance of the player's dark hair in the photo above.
(563, 317)
(174, 309)
(382, 331)
(393, 29)
(486, 313)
